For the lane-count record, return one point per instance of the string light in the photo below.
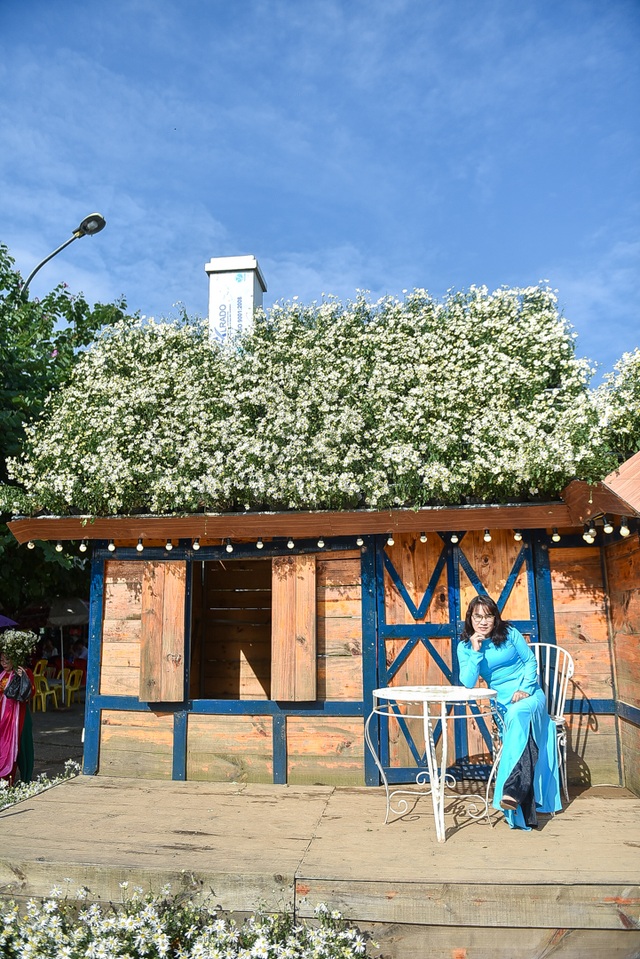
(140, 545)
(58, 547)
(624, 528)
(607, 524)
(260, 544)
(423, 537)
(592, 529)
(320, 543)
(196, 543)
(290, 544)
(555, 535)
(517, 535)
(83, 546)
(359, 541)
(587, 537)
(390, 540)
(31, 544)
(112, 546)
(229, 546)
(454, 538)
(487, 536)
(168, 546)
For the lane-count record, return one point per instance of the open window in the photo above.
(254, 629)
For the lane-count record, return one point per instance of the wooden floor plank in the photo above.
(277, 845)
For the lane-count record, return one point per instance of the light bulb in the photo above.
(259, 544)
(390, 540)
(290, 544)
(607, 524)
(555, 535)
(517, 535)
(196, 543)
(31, 544)
(624, 529)
(229, 546)
(168, 546)
(359, 541)
(487, 536)
(58, 547)
(454, 537)
(423, 537)
(112, 546)
(320, 543)
(140, 545)
(83, 546)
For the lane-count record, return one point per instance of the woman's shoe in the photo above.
(508, 802)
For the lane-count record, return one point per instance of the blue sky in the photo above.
(349, 144)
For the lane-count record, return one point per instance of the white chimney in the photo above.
(236, 286)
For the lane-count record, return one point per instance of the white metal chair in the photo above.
(555, 669)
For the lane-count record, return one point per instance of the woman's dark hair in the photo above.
(500, 625)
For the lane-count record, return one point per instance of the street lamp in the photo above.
(91, 225)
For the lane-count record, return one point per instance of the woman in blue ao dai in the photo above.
(527, 780)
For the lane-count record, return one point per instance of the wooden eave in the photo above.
(301, 525)
(618, 494)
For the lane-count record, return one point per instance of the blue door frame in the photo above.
(440, 639)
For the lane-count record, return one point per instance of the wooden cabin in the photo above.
(245, 647)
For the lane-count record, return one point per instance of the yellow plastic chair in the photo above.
(42, 693)
(40, 667)
(72, 686)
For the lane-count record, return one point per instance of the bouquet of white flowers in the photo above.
(17, 645)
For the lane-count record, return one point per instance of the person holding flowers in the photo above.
(16, 689)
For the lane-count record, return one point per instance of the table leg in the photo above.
(437, 781)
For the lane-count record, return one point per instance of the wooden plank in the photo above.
(630, 745)
(172, 664)
(305, 635)
(121, 654)
(121, 630)
(230, 748)
(325, 751)
(151, 632)
(401, 940)
(136, 744)
(162, 636)
(122, 601)
(293, 633)
(340, 678)
(283, 629)
(119, 681)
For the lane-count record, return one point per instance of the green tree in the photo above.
(619, 402)
(40, 342)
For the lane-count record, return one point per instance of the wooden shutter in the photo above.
(293, 632)
(162, 637)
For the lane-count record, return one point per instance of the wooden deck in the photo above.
(569, 889)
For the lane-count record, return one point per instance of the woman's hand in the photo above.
(476, 642)
(518, 695)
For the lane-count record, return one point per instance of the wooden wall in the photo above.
(231, 660)
(623, 573)
(580, 613)
(416, 562)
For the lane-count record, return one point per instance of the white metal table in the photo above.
(430, 704)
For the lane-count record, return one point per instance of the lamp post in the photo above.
(91, 225)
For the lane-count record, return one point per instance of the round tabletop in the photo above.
(434, 694)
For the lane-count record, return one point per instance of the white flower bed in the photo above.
(331, 406)
(166, 927)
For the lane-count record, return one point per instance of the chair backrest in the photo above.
(42, 685)
(74, 680)
(39, 668)
(555, 669)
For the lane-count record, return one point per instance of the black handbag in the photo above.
(18, 687)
